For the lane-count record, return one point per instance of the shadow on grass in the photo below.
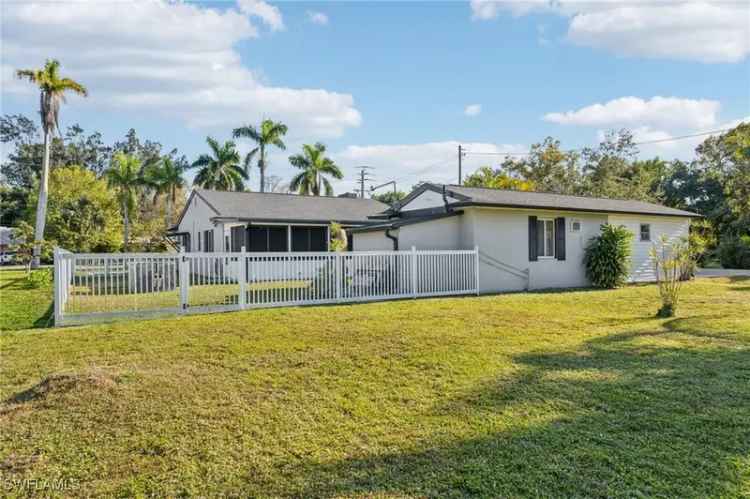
(639, 413)
(47, 318)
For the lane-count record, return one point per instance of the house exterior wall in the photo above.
(372, 241)
(642, 269)
(443, 233)
(197, 219)
(503, 235)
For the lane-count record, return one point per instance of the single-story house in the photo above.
(527, 240)
(217, 221)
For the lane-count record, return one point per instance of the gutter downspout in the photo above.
(445, 201)
(392, 238)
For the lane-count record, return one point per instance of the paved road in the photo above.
(722, 272)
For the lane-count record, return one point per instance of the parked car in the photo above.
(7, 258)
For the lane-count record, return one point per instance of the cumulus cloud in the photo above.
(166, 58)
(269, 14)
(706, 31)
(409, 164)
(317, 17)
(473, 110)
(629, 111)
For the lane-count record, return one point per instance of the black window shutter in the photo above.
(532, 239)
(560, 238)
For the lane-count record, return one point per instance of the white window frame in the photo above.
(640, 232)
(542, 255)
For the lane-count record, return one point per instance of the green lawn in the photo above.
(554, 394)
(22, 307)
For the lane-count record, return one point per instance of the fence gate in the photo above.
(99, 287)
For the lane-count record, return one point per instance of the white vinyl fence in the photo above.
(98, 287)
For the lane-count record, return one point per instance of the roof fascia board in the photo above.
(570, 210)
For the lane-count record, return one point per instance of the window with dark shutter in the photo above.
(532, 239)
(560, 238)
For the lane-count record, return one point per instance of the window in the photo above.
(645, 232)
(237, 237)
(263, 239)
(309, 239)
(575, 225)
(545, 238)
(208, 240)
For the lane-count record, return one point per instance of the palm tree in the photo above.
(270, 133)
(124, 175)
(314, 165)
(52, 93)
(221, 171)
(165, 178)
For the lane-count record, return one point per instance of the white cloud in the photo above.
(706, 31)
(317, 17)
(166, 58)
(630, 111)
(269, 14)
(473, 110)
(412, 163)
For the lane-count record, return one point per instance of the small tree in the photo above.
(607, 257)
(24, 245)
(673, 260)
(338, 237)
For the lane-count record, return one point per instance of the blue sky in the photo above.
(389, 84)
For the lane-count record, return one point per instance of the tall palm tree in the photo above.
(314, 165)
(164, 177)
(124, 175)
(270, 133)
(221, 170)
(52, 93)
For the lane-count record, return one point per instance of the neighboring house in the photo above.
(217, 221)
(527, 240)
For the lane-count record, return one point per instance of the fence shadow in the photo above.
(634, 414)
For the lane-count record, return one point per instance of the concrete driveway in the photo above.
(722, 273)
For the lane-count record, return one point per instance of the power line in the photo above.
(645, 142)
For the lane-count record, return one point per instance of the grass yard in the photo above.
(22, 307)
(554, 394)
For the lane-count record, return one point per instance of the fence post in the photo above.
(414, 271)
(242, 261)
(58, 286)
(476, 268)
(339, 265)
(184, 280)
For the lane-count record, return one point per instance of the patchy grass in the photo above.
(22, 307)
(555, 394)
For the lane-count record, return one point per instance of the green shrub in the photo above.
(734, 252)
(607, 257)
(39, 278)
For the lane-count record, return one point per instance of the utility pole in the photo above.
(363, 177)
(461, 154)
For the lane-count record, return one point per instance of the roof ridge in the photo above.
(582, 196)
(284, 194)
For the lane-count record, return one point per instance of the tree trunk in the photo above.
(125, 226)
(262, 165)
(41, 205)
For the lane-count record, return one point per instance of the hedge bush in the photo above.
(734, 252)
(607, 257)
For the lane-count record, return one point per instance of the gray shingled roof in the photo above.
(267, 207)
(542, 200)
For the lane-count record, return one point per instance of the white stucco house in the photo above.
(527, 240)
